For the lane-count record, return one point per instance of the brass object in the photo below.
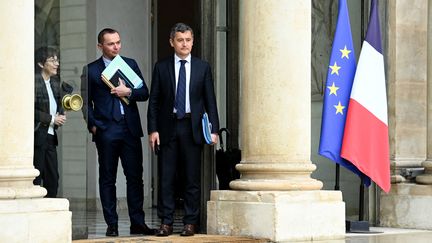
(72, 102)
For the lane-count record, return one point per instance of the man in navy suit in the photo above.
(117, 131)
(174, 126)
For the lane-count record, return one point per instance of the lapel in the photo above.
(171, 73)
(55, 87)
(101, 65)
(42, 90)
(95, 73)
(192, 76)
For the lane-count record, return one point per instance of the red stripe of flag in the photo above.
(366, 145)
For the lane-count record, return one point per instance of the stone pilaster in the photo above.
(24, 215)
(275, 72)
(406, 205)
(406, 77)
(426, 178)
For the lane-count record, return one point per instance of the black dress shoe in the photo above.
(112, 230)
(164, 230)
(188, 230)
(141, 230)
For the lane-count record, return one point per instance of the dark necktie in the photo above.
(116, 110)
(180, 102)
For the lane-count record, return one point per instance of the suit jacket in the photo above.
(162, 97)
(99, 102)
(42, 116)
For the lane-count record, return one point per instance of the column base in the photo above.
(277, 215)
(425, 178)
(407, 206)
(35, 220)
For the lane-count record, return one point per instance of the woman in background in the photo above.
(48, 117)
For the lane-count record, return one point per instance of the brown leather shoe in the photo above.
(188, 230)
(164, 230)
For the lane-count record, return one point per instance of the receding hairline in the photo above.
(105, 31)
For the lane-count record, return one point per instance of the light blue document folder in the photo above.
(206, 126)
(119, 67)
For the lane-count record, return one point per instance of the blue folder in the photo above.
(206, 126)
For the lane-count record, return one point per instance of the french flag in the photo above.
(365, 142)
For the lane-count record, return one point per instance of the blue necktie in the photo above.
(180, 102)
(116, 110)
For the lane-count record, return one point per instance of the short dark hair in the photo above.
(180, 27)
(103, 32)
(42, 54)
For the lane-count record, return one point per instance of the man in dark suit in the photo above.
(181, 91)
(48, 117)
(117, 131)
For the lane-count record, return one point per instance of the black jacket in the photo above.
(42, 116)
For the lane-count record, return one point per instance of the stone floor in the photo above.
(200, 238)
(95, 232)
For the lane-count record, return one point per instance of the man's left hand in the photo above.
(121, 90)
(214, 137)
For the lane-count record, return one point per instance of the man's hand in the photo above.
(121, 90)
(154, 140)
(93, 130)
(215, 138)
(59, 120)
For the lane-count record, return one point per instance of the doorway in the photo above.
(209, 21)
(165, 16)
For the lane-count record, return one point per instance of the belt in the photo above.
(187, 115)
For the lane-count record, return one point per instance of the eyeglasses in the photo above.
(54, 61)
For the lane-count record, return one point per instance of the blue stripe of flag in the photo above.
(373, 36)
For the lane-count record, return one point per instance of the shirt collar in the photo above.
(177, 59)
(106, 61)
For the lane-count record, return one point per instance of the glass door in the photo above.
(61, 25)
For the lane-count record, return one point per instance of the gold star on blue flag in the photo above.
(340, 75)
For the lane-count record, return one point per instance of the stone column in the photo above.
(275, 197)
(24, 215)
(426, 178)
(275, 62)
(406, 77)
(407, 204)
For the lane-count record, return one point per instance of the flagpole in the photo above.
(359, 226)
(362, 23)
(337, 177)
(362, 188)
(361, 204)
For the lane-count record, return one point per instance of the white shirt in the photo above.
(177, 65)
(52, 106)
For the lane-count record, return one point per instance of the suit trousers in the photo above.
(180, 151)
(45, 160)
(113, 143)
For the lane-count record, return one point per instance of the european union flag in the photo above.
(340, 76)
